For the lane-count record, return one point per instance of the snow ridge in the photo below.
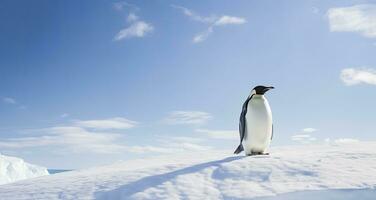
(14, 169)
(213, 175)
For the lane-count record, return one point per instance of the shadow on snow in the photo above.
(142, 184)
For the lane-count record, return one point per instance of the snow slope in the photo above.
(15, 169)
(324, 170)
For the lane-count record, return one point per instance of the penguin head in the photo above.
(261, 90)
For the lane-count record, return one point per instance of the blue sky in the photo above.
(90, 82)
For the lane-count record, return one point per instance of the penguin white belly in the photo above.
(258, 127)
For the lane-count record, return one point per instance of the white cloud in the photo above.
(78, 137)
(170, 145)
(112, 123)
(86, 137)
(73, 139)
(300, 136)
(149, 149)
(309, 130)
(357, 18)
(169, 148)
(303, 138)
(220, 134)
(186, 146)
(194, 16)
(226, 20)
(137, 29)
(352, 76)
(340, 141)
(345, 141)
(182, 139)
(213, 21)
(80, 140)
(9, 100)
(132, 17)
(203, 36)
(121, 5)
(188, 117)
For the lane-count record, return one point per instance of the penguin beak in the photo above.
(268, 88)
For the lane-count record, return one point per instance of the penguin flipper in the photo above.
(242, 124)
(271, 138)
(239, 149)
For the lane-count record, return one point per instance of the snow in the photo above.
(14, 169)
(293, 172)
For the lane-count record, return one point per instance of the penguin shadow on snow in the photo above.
(142, 184)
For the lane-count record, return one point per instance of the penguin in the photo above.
(255, 124)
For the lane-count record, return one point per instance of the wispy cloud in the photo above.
(194, 16)
(183, 144)
(12, 101)
(212, 21)
(340, 141)
(96, 136)
(112, 123)
(181, 139)
(226, 20)
(170, 148)
(137, 29)
(132, 17)
(186, 146)
(357, 18)
(220, 134)
(309, 130)
(303, 138)
(81, 136)
(352, 76)
(345, 140)
(171, 145)
(187, 117)
(149, 149)
(121, 5)
(80, 140)
(73, 139)
(9, 100)
(203, 35)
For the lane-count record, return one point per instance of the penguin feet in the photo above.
(257, 153)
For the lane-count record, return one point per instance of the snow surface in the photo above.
(321, 171)
(14, 169)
